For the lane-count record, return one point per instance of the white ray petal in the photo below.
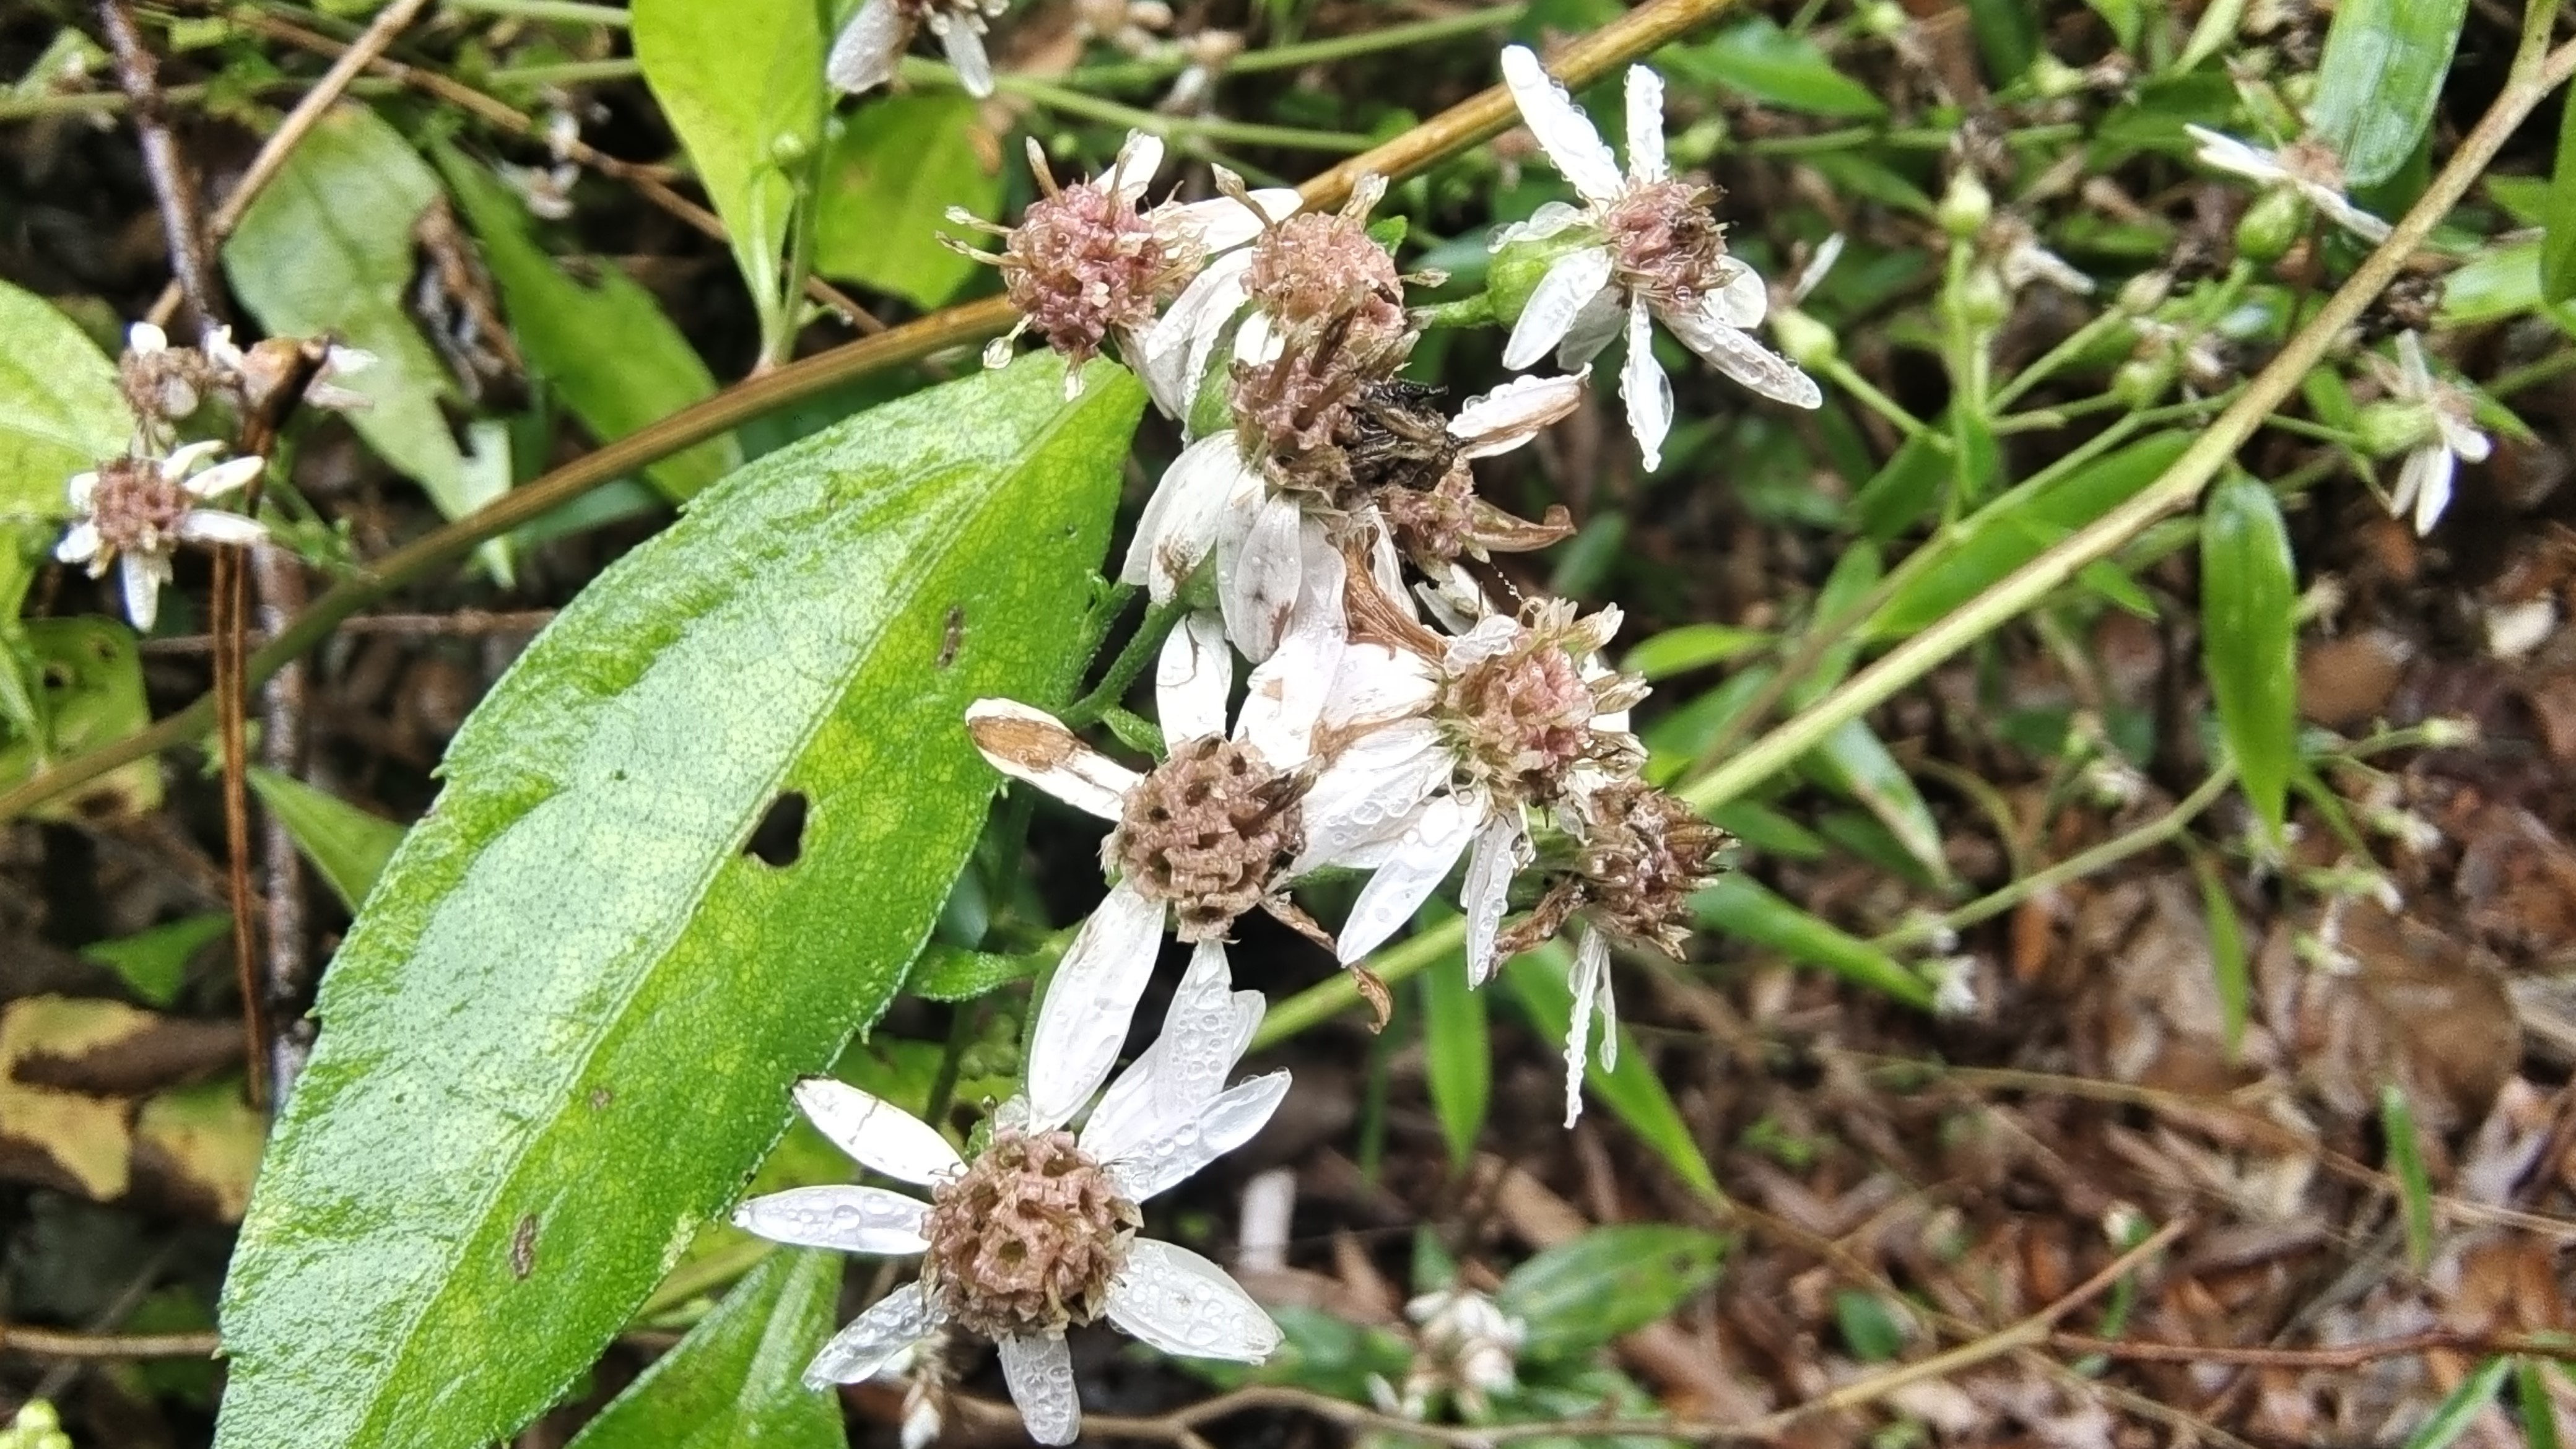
(80, 543)
(1497, 422)
(184, 460)
(849, 1219)
(225, 477)
(869, 48)
(141, 575)
(1502, 848)
(207, 525)
(1550, 218)
(1644, 388)
(2227, 153)
(1591, 973)
(2339, 209)
(872, 1340)
(1645, 125)
(1221, 223)
(1084, 1017)
(1741, 302)
(1183, 1304)
(1595, 328)
(1139, 157)
(2471, 445)
(2414, 373)
(1034, 746)
(2434, 494)
(1179, 526)
(1572, 280)
(146, 337)
(79, 489)
(1259, 576)
(1039, 1370)
(1192, 678)
(1430, 848)
(1287, 692)
(1366, 794)
(876, 1133)
(965, 46)
(1229, 1121)
(1179, 344)
(1563, 131)
(1374, 684)
(1737, 355)
(1185, 1068)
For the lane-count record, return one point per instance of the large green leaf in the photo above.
(1761, 60)
(742, 84)
(60, 411)
(735, 1381)
(2249, 619)
(2381, 76)
(606, 346)
(890, 176)
(562, 1032)
(327, 250)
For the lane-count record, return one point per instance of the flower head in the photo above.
(2308, 167)
(1466, 1347)
(2446, 431)
(1038, 1233)
(1651, 250)
(136, 510)
(870, 47)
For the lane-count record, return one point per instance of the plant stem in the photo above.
(1071, 102)
(1310, 52)
(1121, 674)
(571, 12)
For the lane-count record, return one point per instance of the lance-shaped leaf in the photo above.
(742, 84)
(736, 1379)
(2249, 616)
(2380, 78)
(562, 1032)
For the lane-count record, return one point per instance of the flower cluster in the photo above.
(1403, 715)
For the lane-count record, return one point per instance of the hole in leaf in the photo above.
(780, 836)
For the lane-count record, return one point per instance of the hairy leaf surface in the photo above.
(562, 1032)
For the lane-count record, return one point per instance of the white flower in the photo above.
(1659, 254)
(869, 49)
(1451, 743)
(136, 511)
(255, 371)
(1204, 836)
(1268, 546)
(2424, 479)
(1468, 1349)
(1023, 1278)
(2306, 167)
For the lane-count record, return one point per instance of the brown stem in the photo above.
(174, 186)
(280, 578)
(58, 1343)
(231, 598)
(2342, 1356)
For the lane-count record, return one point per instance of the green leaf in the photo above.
(60, 411)
(2249, 613)
(2460, 1408)
(90, 685)
(742, 84)
(2226, 953)
(562, 1032)
(348, 845)
(327, 250)
(2383, 70)
(1692, 646)
(1455, 1057)
(890, 174)
(2007, 34)
(2531, 1394)
(1581, 1294)
(1763, 61)
(1630, 1090)
(2019, 526)
(736, 1379)
(2124, 18)
(155, 962)
(619, 363)
(2558, 242)
(1854, 762)
(1736, 906)
(953, 973)
(2406, 1162)
(1871, 1326)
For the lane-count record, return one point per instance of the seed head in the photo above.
(1647, 854)
(137, 507)
(1321, 269)
(1210, 830)
(1666, 244)
(1521, 716)
(1083, 264)
(1027, 1239)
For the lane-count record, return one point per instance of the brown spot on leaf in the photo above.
(952, 635)
(523, 1247)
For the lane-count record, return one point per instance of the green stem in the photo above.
(1310, 52)
(572, 12)
(1074, 103)
(1122, 672)
(1847, 377)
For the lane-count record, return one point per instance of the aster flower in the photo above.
(1657, 253)
(164, 384)
(1466, 1348)
(2448, 433)
(1038, 1233)
(1453, 743)
(871, 46)
(2308, 167)
(1201, 838)
(1089, 263)
(136, 510)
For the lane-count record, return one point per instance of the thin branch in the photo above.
(2342, 1356)
(279, 577)
(1633, 34)
(174, 186)
(462, 624)
(58, 1343)
(264, 167)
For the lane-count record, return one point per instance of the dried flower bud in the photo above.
(1210, 830)
(1522, 716)
(1646, 854)
(1028, 1238)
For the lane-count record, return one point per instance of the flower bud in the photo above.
(2271, 225)
(787, 149)
(1804, 340)
(2145, 292)
(1981, 300)
(2054, 78)
(2142, 382)
(1517, 268)
(2393, 426)
(1884, 19)
(1966, 206)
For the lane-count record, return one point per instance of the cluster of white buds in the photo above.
(1465, 1348)
(1402, 713)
